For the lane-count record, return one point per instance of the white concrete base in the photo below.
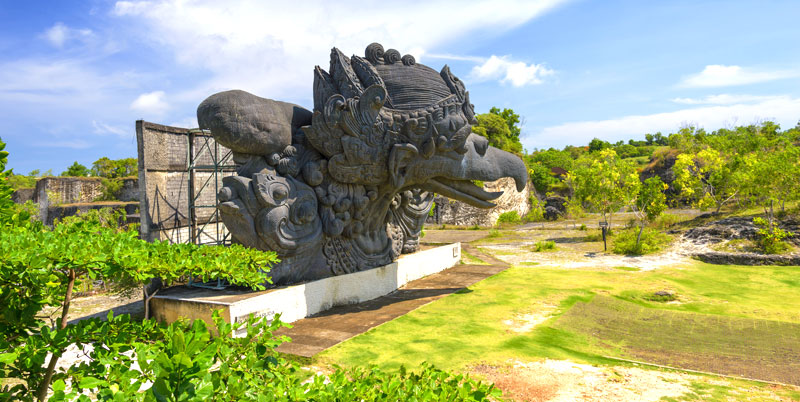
(299, 301)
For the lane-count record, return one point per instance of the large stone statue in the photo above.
(347, 187)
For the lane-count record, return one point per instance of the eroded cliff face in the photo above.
(452, 212)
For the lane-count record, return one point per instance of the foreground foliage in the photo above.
(639, 241)
(131, 360)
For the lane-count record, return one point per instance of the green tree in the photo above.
(512, 121)
(6, 205)
(646, 200)
(597, 144)
(771, 177)
(498, 130)
(541, 177)
(113, 169)
(602, 181)
(710, 177)
(76, 170)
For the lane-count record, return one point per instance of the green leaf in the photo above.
(59, 386)
(91, 382)
(7, 358)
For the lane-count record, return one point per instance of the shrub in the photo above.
(652, 241)
(667, 220)
(583, 227)
(508, 217)
(544, 245)
(493, 234)
(770, 238)
(574, 209)
(662, 296)
(110, 189)
(536, 214)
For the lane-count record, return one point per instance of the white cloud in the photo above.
(716, 75)
(723, 99)
(103, 128)
(448, 56)
(781, 109)
(186, 122)
(507, 71)
(152, 103)
(72, 144)
(270, 49)
(63, 82)
(59, 34)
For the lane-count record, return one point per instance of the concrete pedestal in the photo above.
(299, 301)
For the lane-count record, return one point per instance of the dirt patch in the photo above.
(563, 381)
(571, 255)
(522, 323)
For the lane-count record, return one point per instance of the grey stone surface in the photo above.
(129, 190)
(554, 207)
(452, 212)
(164, 181)
(55, 191)
(23, 195)
(351, 187)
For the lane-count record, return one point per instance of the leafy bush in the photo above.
(494, 233)
(583, 227)
(544, 245)
(188, 361)
(110, 189)
(574, 209)
(662, 296)
(667, 220)
(508, 217)
(770, 237)
(651, 241)
(536, 214)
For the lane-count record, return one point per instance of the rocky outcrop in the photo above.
(734, 228)
(555, 206)
(723, 230)
(714, 257)
(660, 165)
(23, 195)
(452, 212)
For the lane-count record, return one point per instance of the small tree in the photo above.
(602, 180)
(76, 170)
(709, 178)
(646, 200)
(498, 129)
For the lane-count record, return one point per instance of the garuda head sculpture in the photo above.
(347, 187)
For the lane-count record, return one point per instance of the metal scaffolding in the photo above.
(206, 228)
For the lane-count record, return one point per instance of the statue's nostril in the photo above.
(481, 144)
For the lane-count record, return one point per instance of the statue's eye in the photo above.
(279, 194)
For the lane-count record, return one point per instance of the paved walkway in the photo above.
(324, 330)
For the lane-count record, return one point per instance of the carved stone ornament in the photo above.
(347, 187)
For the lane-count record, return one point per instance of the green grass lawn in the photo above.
(747, 347)
(468, 327)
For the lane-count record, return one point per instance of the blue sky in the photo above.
(74, 76)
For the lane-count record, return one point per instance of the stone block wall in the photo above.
(23, 195)
(164, 178)
(54, 191)
(452, 212)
